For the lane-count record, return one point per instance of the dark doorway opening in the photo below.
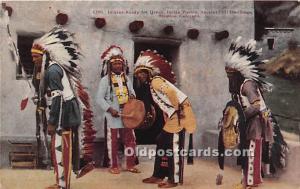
(168, 48)
(271, 42)
(24, 44)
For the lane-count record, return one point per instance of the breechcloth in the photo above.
(252, 172)
(128, 139)
(169, 165)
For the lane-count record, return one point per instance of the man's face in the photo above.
(117, 67)
(142, 76)
(235, 81)
(37, 59)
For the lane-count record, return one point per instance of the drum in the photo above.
(133, 113)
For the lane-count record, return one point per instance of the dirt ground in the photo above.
(201, 175)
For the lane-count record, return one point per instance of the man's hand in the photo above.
(113, 112)
(265, 114)
(51, 129)
(35, 99)
(220, 123)
(181, 114)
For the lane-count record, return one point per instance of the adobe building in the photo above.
(194, 36)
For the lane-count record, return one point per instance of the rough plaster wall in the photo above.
(200, 62)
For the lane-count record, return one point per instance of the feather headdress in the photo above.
(156, 64)
(243, 58)
(111, 54)
(59, 44)
(112, 51)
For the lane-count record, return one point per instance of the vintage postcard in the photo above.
(146, 94)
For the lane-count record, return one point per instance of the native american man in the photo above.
(58, 55)
(114, 91)
(246, 87)
(154, 69)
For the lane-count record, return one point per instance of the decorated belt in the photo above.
(56, 93)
